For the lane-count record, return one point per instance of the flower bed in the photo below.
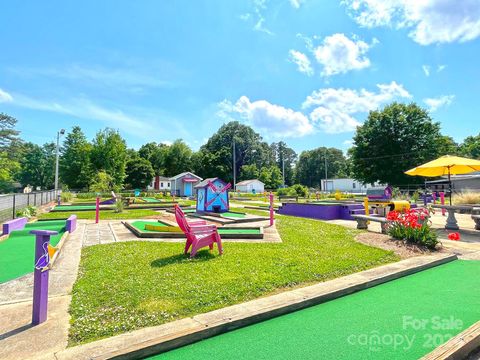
(412, 226)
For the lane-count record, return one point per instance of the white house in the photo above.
(347, 185)
(160, 183)
(250, 186)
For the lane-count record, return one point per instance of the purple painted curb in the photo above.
(320, 211)
(15, 224)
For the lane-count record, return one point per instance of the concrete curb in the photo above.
(149, 341)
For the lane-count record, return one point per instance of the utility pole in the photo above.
(326, 171)
(59, 133)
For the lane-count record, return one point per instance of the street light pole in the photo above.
(326, 171)
(59, 133)
(234, 167)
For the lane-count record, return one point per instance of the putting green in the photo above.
(151, 200)
(17, 252)
(402, 319)
(229, 214)
(140, 225)
(74, 207)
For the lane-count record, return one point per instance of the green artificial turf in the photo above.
(346, 327)
(229, 214)
(140, 225)
(150, 200)
(128, 285)
(238, 231)
(17, 252)
(74, 207)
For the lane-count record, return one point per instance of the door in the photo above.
(188, 189)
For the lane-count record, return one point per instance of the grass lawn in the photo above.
(126, 286)
(104, 214)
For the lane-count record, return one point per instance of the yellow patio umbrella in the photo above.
(446, 165)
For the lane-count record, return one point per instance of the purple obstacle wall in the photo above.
(71, 224)
(321, 211)
(15, 224)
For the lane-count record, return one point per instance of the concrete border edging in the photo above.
(158, 339)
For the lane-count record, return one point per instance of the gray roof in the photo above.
(185, 173)
(205, 182)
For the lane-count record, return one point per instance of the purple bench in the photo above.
(71, 223)
(15, 224)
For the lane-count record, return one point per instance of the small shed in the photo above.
(184, 183)
(250, 186)
(212, 195)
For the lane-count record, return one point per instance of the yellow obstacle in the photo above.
(161, 228)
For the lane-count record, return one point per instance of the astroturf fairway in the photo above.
(74, 207)
(140, 225)
(17, 252)
(233, 215)
(371, 324)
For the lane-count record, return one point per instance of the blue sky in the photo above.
(303, 71)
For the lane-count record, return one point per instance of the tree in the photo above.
(156, 154)
(139, 172)
(215, 158)
(447, 146)
(310, 168)
(471, 147)
(8, 169)
(393, 140)
(75, 165)
(7, 130)
(248, 172)
(109, 154)
(285, 157)
(271, 176)
(102, 182)
(178, 158)
(38, 165)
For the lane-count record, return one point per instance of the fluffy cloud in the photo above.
(275, 119)
(339, 54)
(5, 97)
(426, 70)
(296, 3)
(302, 61)
(334, 109)
(435, 103)
(430, 21)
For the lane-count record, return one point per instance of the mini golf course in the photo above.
(17, 252)
(228, 217)
(79, 208)
(402, 319)
(141, 229)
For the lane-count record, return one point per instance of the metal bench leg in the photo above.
(477, 223)
(384, 228)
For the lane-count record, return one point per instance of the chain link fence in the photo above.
(10, 204)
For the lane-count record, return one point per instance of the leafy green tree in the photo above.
(471, 147)
(102, 182)
(140, 173)
(38, 165)
(285, 157)
(394, 140)
(310, 168)
(8, 134)
(178, 158)
(447, 146)
(156, 154)
(271, 176)
(75, 165)
(109, 154)
(8, 169)
(248, 172)
(215, 158)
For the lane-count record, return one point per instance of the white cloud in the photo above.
(334, 109)
(441, 68)
(276, 120)
(5, 97)
(339, 54)
(430, 21)
(426, 70)
(435, 103)
(257, 16)
(296, 3)
(302, 61)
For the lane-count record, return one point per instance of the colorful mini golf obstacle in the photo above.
(167, 229)
(212, 195)
(322, 210)
(17, 247)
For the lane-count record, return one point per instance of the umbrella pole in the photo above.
(450, 186)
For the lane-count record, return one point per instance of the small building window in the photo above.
(161, 184)
(168, 184)
(354, 185)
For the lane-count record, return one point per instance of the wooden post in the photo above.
(442, 201)
(40, 275)
(271, 209)
(97, 210)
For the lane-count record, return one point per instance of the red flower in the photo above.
(454, 236)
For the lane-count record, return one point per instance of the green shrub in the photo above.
(27, 212)
(118, 206)
(66, 196)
